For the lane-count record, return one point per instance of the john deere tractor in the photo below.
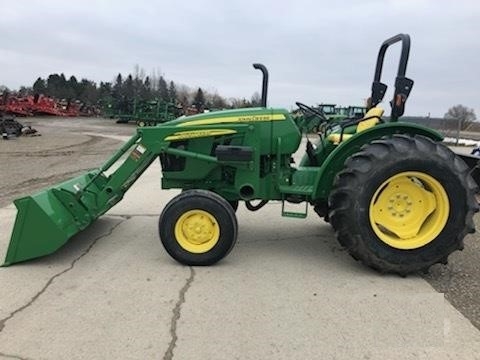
(398, 199)
(311, 121)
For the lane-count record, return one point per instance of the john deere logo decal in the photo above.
(182, 135)
(235, 119)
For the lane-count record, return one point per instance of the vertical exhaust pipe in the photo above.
(264, 71)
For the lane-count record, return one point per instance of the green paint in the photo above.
(47, 220)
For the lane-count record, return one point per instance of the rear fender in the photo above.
(336, 159)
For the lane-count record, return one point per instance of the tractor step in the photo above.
(294, 214)
(296, 189)
(302, 182)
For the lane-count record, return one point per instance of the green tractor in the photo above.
(150, 113)
(351, 111)
(398, 199)
(328, 110)
(311, 122)
(146, 112)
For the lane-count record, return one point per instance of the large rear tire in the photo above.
(198, 227)
(402, 204)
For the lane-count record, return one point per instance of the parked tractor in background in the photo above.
(144, 113)
(398, 199)
(329, 113)
(352, 111)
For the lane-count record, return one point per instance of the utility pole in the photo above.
(458, 130)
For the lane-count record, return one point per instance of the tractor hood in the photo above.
(264, 124)
(246, 115)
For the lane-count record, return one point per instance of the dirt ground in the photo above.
(68, 147)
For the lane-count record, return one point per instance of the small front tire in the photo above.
(198, 227)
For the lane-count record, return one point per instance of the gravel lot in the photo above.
(68, 147)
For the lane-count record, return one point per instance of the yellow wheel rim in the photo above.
(197, 231)
(409, 210)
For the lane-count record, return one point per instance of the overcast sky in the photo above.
(316, 51)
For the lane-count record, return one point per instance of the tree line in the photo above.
(124, 90)
(121, 93)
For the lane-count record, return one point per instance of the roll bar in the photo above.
(403, 85)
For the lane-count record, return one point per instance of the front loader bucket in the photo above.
(47, 220)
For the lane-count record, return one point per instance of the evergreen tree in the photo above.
(62, 90)
(129, 88)
(117, 95)
(88, 93)
(162, 89)
(145, 91)
(53, 85)
(70, 91)
(39, 86)
(73, 87)
(105, 91)
(172, 93)
(199, 100)
(128, 94)
(118, 84)
(138, 87)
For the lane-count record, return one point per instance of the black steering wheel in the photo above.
(307, 109)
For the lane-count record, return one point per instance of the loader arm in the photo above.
(45, 221)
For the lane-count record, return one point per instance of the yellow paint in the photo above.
(366, 124)
(197, 231)
(234, 119)
(374, 113)
(409, 210)
(182, 135)
(335, 138)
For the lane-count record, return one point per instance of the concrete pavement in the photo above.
(286, 291)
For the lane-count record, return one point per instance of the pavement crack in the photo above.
(176, 316)
(11, 356)
(57, 275)
(129, 216)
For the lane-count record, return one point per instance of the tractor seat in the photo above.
(371, 118)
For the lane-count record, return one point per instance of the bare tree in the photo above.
(256, 99)
(184, 94)
(462, 115)
(216, 101)
(139, 72)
